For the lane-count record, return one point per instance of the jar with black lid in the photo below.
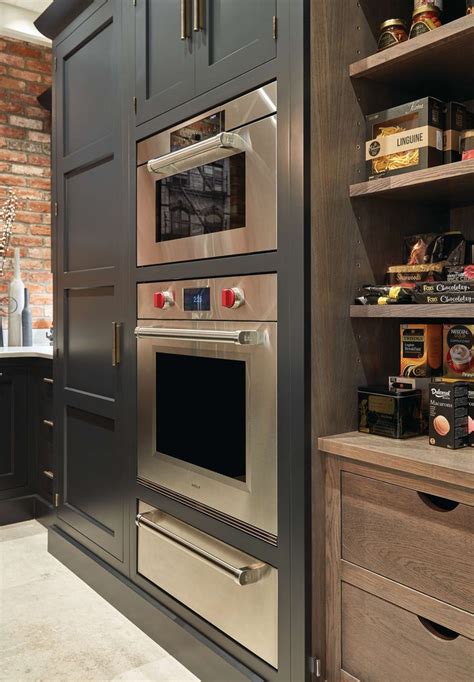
(392, 32)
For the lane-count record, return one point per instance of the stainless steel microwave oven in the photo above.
(208, 187)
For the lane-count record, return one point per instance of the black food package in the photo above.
(409, 275)
(391, 413)
(448, 248)
(457, 118)
(459, 273)
(449, 408)
(446, 287)
(446, 298)
(383, 295)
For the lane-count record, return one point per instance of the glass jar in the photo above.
(469, 6)
(437, 3)
(392, 32)
(467, 144)
(426, 18)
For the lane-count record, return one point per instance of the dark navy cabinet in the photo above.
(186, 47)
(14, 412)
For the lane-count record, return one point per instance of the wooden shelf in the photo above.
(438, 62)
(452, 183)
(414, 456)
(415, 311)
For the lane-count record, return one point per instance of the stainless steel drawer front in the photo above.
(232, 590)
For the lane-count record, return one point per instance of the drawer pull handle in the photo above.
(441, 504)
(48, 474)
(47, 380)
(48, 422)
(438, 631)
(242, 576)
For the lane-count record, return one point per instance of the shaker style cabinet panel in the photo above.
(13, 428)
(90, 285)
(164, 56)
(186, 47)
(233, 38)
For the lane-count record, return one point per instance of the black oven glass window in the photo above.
(200, 412)
(203, 200)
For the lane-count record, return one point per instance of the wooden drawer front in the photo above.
(384, 643)
(396, 533)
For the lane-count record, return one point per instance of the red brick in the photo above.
(41, 324)
(27, 169)
(36, 88)
(39, 65)
(35, 194)
(11, 107)
(8, 131)
(22, 122)
(12, 60)
(12, 83)
(27, 217)
(40, 160)
(40, 183)
(40, 206)
(25, 75)
(37, 112)
(38, 137)
(13, 180)
(41, 229)
(24, 49)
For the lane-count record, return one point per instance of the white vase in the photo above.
(16, 303)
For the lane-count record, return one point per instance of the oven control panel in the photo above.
(251, 297)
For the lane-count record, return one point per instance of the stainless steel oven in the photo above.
(207, 353)
(207, 187)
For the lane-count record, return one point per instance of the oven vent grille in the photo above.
(220, 516)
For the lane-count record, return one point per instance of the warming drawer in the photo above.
(233, 591)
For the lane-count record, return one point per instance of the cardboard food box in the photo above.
(470, 384)
(421, 350)
(405, 138)
(449, 406)
(458, 351)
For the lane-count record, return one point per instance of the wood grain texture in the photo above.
(414, 311)
(442, 56)
(383, 642)
(333, 565)
(415, 456)
(427, 607)
(391, 531)
(452, 183)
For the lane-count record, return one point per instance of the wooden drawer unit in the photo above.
(382, 642)
(419, 540)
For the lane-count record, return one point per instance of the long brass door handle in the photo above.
(197, 15)
(184, 19)
(116, 345)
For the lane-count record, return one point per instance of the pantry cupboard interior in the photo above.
(358, 226)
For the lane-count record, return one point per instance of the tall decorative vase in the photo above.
(27, 321)
(16, 303)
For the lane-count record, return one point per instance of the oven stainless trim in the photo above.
(239, 337)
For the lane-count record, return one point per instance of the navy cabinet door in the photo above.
(91, 267)
(164, 56)
(234, 37)
(13, 428)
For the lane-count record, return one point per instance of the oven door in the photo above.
(190, 206)
(207, 418)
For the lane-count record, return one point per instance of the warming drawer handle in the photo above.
(241, 338)
(47, 380)
(213, 149)
(246, 575)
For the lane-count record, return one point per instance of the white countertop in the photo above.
(27, 352)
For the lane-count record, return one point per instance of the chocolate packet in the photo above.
(448, 248)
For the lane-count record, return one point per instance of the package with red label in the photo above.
(458, 351)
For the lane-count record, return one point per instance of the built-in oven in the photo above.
(207, 187)
(207, 398)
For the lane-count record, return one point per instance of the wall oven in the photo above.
(207, 187)
(207, 353)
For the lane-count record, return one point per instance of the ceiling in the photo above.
(17, 19)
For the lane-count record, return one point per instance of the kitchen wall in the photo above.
(25, 167)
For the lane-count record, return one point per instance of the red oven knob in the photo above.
(163, 299)
(232, 298)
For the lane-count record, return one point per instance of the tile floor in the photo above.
(54, 628)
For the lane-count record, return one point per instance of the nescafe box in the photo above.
(458, 351)
(449, 408)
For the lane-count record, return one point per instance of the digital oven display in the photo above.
(197, 299)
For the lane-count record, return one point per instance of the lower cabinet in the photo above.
(13, 429)
(399, 576)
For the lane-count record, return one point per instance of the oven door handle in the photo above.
(240, 338)
(245, 575)
(213, 149)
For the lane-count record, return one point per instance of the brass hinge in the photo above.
(275, 27)
(56, 499)
(55, 63)
(135, 105)
(315, 666)
(56, 210)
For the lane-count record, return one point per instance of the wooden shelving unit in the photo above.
(414, 455)
(448, 311)
(438, 59)
(452, 183)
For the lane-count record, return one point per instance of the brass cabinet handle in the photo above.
(197, 16)
(47, 380)
(49, 474)
(116, 354)
(48, 422)
(184, 19)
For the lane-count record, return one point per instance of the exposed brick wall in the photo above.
(25, 166)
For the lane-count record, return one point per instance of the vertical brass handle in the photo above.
(197, 16)
(116, 359)
(184, 19)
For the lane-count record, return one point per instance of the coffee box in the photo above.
(458, 351)
(449, 406)
(421, 350)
